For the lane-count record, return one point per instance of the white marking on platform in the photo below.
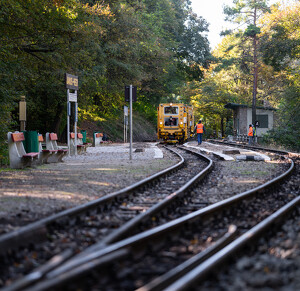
(218, 154)
(265, 158)
(158, 153)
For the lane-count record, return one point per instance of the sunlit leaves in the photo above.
(281, 36)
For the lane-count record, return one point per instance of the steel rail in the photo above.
(71, 268)
(37, 230)
(171, 276)
(40, 272)
(130, 224)
(120, 232)
(209, 265)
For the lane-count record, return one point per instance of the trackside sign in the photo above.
(71, 82)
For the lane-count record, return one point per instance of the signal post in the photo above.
(72, 84)
(130, 95)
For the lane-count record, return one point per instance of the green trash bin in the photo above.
(83, 136)
(31, 143)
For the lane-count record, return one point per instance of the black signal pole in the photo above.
(130, 151)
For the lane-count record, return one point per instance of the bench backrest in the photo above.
(73, 148)
(79, 138)
(53, 136)
(97, 138)
(15, 145)
(51, 139)
(17, 136)
(40, 139)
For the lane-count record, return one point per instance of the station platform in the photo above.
(140, 151)
(150, 150)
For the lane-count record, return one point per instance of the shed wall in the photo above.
(260, 131)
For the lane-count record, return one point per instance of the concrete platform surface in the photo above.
(141, 151)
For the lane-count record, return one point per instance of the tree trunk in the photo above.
(222, 126)
(255, 73)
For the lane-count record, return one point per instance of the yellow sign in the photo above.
(71, 82)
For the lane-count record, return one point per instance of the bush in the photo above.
(229, 128)
(283, 137)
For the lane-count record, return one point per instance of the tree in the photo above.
(40, 41)
(157, 45)
(280, 42)
(280, 47)
(247, 12)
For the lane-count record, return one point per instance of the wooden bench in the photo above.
(18, 158)
(81, 148)
(57, 153)
(97, 139)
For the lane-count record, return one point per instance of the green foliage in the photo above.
(229, 127)
(252, 30)
(287, 131)
(156, 45)
(280, 48)
(226, 32)
(148, 110)
(282, 137)
(282, 42)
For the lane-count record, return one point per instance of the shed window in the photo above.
(263, 120)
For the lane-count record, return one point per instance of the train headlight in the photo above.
(181, 124)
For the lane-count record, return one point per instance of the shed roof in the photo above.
(236, 105)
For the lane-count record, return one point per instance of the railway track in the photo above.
(106, 220)
(193, 240)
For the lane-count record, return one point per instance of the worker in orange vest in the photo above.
(250, 134)
(200, 129)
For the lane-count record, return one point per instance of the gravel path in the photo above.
(33, 193)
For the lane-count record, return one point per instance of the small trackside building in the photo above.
(242, 117)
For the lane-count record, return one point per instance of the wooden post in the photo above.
(22, 113)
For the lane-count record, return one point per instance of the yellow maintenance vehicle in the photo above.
(175, 122)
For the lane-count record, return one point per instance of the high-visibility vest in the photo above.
(200, 128)
(250, 133)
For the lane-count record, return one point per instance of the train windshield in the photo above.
(171, 110)
(171, 121)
